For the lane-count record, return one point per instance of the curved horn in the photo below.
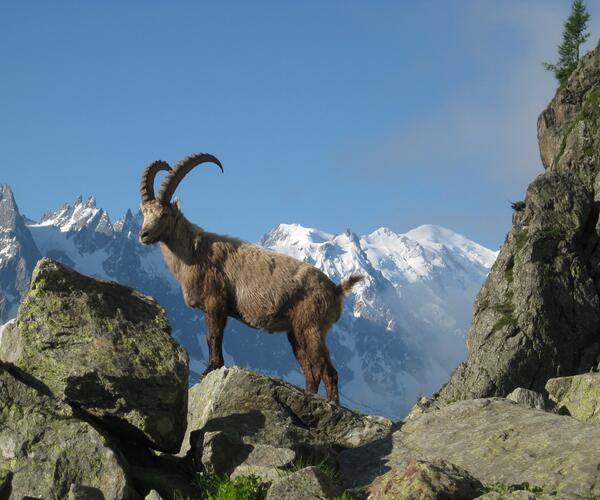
(175, 176)
(147, 184)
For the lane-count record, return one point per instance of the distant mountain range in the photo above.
(402, 331)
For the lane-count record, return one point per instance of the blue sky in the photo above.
(329, 114)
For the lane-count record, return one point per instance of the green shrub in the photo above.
(212, 487)
(504, 488)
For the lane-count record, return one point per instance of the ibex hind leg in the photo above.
(312, 376)
(319, 354)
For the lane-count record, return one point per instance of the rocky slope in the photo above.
(538, 314)
(94, 404)
(401, 333)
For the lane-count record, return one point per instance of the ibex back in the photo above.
(224, 277)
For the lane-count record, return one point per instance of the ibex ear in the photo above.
(177, 203)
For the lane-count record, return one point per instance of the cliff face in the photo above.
(538, 314)
(18, 255)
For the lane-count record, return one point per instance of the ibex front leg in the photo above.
(216, 319)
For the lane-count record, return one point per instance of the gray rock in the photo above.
(262, 410)
(270, 456)
(153, 495)
(104, 348)
(529, 398)
(45, 449)
(309, 483)
(219, 452)
(514, 495)
(266, 474)
(538, 314)
(420, 479)
(269, 463)
(578, 395)
(495, 440)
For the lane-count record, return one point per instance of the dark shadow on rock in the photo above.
(5, 485)
(360, 466)
(170, 476)
(28, 379)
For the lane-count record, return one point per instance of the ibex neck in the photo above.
(180, 247)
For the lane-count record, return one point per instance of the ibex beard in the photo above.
(224, 277)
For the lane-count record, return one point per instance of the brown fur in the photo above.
(224, 277)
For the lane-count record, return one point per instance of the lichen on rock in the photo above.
(45, 448)
(105, 349)
(578, 395)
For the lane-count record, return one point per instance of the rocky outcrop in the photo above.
(105, 349)
(309, 483)
(421, 479)
(538, 314)
(45, 449)
(263, 425)
(579, 396)
(495, 440)
(90, 378)
(530, 399)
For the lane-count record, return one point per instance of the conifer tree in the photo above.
(573, 36)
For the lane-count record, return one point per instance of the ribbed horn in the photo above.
(180, 170)
(147, 184)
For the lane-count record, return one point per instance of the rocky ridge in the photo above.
(95, 401)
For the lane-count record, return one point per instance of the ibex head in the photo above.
(159, 213)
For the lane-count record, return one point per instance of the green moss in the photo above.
(506, 311)
(520, 238)
(213, 487)
(504, 488)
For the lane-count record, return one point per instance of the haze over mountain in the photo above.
(401, 333)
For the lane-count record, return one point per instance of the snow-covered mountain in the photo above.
(403, 329)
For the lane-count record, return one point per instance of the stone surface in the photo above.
(44, 448)
(267, 411)
(530, 399)
(104, 348)
(579, 395)
(267, 462)
(219, 452)
(538, 314)
(420, 479)
(309, 483)
(153, 495)
(514, 495)
(495, 440)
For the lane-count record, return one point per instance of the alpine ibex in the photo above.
(224, 277)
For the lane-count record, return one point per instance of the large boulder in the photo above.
(309, 483)
(420, 479)
(272, 420)
(495, 440)
(45, 451)
(105, 349)
(578, 395)
(538, 314)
